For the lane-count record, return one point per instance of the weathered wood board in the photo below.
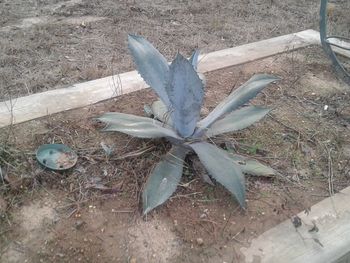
(285, 243)
(84, 94)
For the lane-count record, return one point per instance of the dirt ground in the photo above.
(51, 44)
(92, 213)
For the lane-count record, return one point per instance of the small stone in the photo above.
(296, 220)
(79, 224)
(16, 182)
(200, 241)
(132, 260)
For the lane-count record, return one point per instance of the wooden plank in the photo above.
(344, 259)
(285, 243)
(342, 43)
(79, 95)
(84, 94)
(257, 50)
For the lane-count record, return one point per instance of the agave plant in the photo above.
(177, 118)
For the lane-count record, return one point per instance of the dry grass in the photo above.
(58, 53)
(301, 140)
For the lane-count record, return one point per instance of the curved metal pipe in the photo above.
(339, 68)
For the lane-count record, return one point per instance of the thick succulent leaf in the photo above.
(161, 112)
(194, 59)
(164, 179)
(237, 120)
(137, 126)
(148, 111)
(206, 178)
(123, 118)
(238, 98)
(185, 95)
(253, 167)
(151, 65)
(220, 166)
(203, 79)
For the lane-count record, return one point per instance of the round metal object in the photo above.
(57, 157)
(327, 43)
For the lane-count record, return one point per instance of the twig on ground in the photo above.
(330, 172)
(5, 231)
(122, 211)
(185, 195)
(128, 155)
(283, 124)
(10, 109)
(117, 85)
(228, 220)
(236, 235)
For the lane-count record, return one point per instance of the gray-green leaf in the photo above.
(148, 111)
(137, 126)
(237, 120)
(185, 94)
(161, 112)
(151, 65)
(220, 166)
(164, 179)
(194, 59)
(238, 98)
(253, 167)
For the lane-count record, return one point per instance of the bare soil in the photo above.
(92, 212)
(52, 44)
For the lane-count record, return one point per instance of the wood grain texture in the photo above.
(285, 243)
(84, 94)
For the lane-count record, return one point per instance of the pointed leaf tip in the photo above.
(151, 65)
(252, 166)
(194, 59)
(221, 167)
(137, 126)
(237, 120)
(185, 95)
(164, 179)
(238, 98)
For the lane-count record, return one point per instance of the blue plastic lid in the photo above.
(56, 156)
